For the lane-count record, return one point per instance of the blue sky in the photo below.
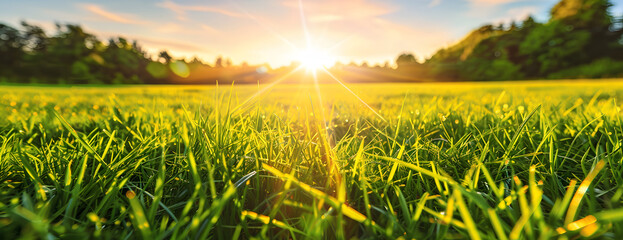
(272, 31)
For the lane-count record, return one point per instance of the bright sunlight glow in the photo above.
(314, 59)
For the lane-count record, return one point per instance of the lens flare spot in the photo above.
(261, 70)
(180, 68)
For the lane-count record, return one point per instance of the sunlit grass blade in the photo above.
(572, 212)
(266, 220)
(139, 219)
(470, 225)
(74, 133)
(346, 210)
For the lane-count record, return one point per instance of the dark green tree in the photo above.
(406, 60)
(165, 56)
(219, 62)
(11, 50)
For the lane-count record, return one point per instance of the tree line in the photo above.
(74, 56)
(582, 39)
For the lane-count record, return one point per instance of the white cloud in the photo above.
(491, 2)
(330, 10)
(181, 10)
(108, 15)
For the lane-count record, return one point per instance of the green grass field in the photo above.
(529, 160)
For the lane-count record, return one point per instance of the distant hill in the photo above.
(581, 40)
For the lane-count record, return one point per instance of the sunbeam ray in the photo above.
(304, 24)
(269, 86)
(323, 133)
(354, 94)
(319, 95)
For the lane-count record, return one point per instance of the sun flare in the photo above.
(314, 59)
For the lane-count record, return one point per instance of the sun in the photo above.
(313, 59)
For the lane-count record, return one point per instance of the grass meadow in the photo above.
(520, 160)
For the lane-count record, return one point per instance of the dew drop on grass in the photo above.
(130, 194)
(93, 217)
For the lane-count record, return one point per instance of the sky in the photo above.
(276, 31)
